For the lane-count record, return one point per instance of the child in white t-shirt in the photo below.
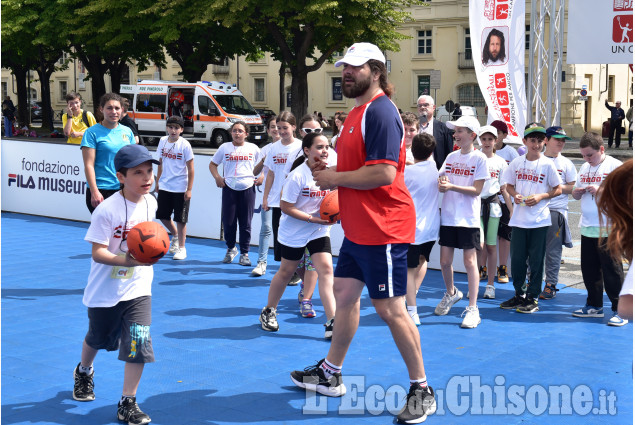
(461, 180)
(421, 181)
(239, 159)
(491, 210)
(558, 233)
(119, 289)
(175, 179)
(508, 153)
(600, 271)
(532, 180)
(302, 228)
(411, 128)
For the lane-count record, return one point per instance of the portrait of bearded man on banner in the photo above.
(494, 50)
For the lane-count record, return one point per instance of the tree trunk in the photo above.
(116, 71)
(299, 91)
(281, 88)
(20, 74)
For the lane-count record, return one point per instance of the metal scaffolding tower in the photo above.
(545, 61)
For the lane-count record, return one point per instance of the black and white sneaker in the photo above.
(84, 385)
(513, 303)
(529, 306)
(328, 328)
(420, 403)
(268, 319)
(128, 410)
(312, 378)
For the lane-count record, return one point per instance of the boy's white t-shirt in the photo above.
(107, 226)
(568, 173)
(422, 182)
(300, 189)
(593, 175)
(276, 162)
(530, 178)
(174, 158)
(457, 209)
(238, 164)
(507, 153)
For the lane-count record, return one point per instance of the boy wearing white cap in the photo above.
(461, 180)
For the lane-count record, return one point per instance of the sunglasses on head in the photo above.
(312, 130)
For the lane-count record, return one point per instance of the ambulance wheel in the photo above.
(148, 141)
(219, 137)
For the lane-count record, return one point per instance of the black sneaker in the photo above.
(312, 378)
(529, 306)
(268, 319)
(420, 403)
(128, 410)
(84, 385)
(328, 329)
(295, 279)
(513, 303)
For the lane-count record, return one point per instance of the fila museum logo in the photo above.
(48, 176)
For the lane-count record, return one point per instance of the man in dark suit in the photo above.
(617, 115)
(438, 129)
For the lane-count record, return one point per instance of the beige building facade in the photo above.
(435, 60)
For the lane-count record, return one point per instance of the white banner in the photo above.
(600, 31)
(497, 30)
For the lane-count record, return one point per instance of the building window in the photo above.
(125, 75)
(336, 89)
(5, 90)
(470, 95)
(63, 90)
(527, 36)
(424, 42)
(259, 89)
(611, 94)
(423, 85)
(63, 59)
(468, 45)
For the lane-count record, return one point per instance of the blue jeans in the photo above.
(265, 234)
(8, 129)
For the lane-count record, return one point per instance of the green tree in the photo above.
(195, 40)
(304, 34)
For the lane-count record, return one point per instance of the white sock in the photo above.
(86, 370)
(412, 310)
(330, 369)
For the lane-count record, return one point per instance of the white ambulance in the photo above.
(208, 109)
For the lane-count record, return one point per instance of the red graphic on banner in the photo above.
(622, 5)
(500, 81)
(506, 114)
(502, 11)
(503, 98)
(623, 28)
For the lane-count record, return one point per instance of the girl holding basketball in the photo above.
(99, 145)
(301, 228)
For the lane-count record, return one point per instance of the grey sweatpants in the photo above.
(557, 235)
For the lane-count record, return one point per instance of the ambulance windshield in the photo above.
(235, 105)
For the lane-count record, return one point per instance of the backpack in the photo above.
(84, 118)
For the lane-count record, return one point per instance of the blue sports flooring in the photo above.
(215, 365)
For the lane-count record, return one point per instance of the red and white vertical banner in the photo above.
(600, 31)
(497, 29)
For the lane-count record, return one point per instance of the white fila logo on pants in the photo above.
(389, 277)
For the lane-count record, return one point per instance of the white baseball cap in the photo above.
(488, 129)
(360, 53)
(465, 121)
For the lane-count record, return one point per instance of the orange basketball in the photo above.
(330, 207)
(148, 242)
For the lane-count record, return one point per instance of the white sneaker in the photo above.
(447, 302)
(174, 245)
(415, 319)
(472, 317)
(180, 254)
(616, 320)
(260, 269)
(489, 292)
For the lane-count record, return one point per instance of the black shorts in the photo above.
(124, 326)
(416, 251)
(504, 231)
(460, 237)
(106, 193)
(314, 246)
(172, 202)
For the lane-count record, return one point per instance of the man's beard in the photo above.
(357, 89)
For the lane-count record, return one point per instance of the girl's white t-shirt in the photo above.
(238, 164)
(276, 162)
(496, 165)
(421, 181)
(531, 178)
(263, 154)
(300, 189)
(593, 175)
(174, 158)
(457, 209)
